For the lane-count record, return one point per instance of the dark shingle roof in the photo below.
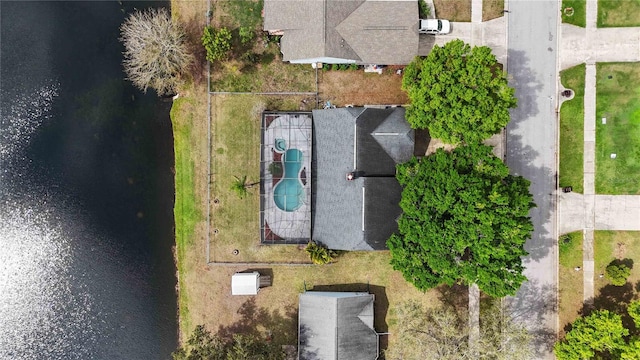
(359, 214)
(369, 32)
(336, 326)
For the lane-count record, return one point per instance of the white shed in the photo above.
(245, 283)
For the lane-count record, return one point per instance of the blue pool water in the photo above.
(288, 192)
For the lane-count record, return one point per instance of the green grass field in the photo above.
(571, 281)
(611, 245)
(579, 15)
(618, 13)
(572, 130)
(618, 100)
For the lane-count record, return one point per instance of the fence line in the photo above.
(260, 93)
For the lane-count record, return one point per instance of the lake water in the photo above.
(86, 191)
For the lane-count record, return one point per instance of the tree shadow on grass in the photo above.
(281, 326)
(612, 298)
(193, 31)
(454, 297)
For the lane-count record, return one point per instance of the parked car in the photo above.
(434, 26)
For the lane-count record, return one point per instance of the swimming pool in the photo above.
(288, 192)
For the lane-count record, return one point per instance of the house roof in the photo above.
(336, 326)
(359, 214)
(366, 31)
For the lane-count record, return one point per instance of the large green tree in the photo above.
(459, 93)
(602, 335)
(465, 220)
(601, 332)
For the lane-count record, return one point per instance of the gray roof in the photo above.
(336, 326)
(367, 31)
(359, 214)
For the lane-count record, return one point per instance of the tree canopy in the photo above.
(442, 333)
(459, 93)
(602, 334)
(465, 220)
(155, 50)
(202, 345)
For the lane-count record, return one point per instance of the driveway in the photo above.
(531, 152)
(580, 45)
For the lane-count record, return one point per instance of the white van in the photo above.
(434, 26)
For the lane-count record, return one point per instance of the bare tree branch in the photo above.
(155, 53)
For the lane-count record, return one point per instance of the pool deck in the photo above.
(296, 130)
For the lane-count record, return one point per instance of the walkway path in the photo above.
(590, 212)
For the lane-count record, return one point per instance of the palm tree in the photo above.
(240, 186)
(319, 254)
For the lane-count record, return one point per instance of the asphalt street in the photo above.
(531, 152)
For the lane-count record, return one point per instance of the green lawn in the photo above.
(611, 245)
(571, 281)
(618, 100)
(579, 15)
(618, 13)
(572, 130)
(236, 152)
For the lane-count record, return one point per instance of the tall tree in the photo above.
(602, 335)
(429, 334)
(155, 50)
(601, 332)
(459, 93)
(442, 333)
(465, 220)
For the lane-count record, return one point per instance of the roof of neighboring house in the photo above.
(336, 326)
(359, 214)
(367, 31)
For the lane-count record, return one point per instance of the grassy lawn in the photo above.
(571, 281)
(572, 130)
(492, 9)
(618, 13)
(255, 66)
(609, 246)
(359, 88)
(579, 15)
(453, 10)
(618, 100)
(236, 152)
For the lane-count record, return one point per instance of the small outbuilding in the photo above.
(248, 283)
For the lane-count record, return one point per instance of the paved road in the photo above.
(531, 149)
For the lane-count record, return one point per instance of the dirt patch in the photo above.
(453, 10)
(492, 9)
(436, 144)
(355, 87)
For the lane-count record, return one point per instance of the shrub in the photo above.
(319, 254)
(155, 51)
(246, 34)
(617, 273)
(216, 42)
(353, 66)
